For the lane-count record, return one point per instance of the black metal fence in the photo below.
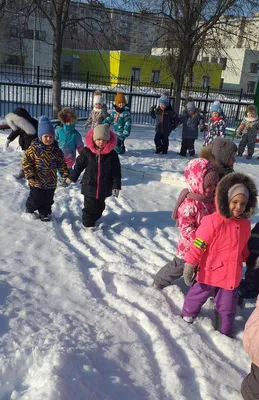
(37, 99)
(41, 76)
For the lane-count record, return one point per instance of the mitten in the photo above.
(65, 182)
(115, 192)
(189, 274)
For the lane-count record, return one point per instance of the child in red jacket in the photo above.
(218, 251)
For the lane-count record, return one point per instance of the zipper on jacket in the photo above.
(98, 174)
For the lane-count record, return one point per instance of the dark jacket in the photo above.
(190, 124)
(22, 125)
(166, 120)
(102, 169)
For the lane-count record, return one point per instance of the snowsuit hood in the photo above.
(222, 203)
(195, 172)
(107, 149)
(21, 119)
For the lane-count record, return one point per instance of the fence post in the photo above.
(131, 83)
(86, 92)
(208, 92)
(171, 88)
(131, 90)
(238, 106)
(38, 81)
(87, 79)
(41, 101)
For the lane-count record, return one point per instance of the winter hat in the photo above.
(101, 132)
(251, 109)
(120, 98)
(98, 100)
(222, 149)
(45, 126)
(216, 107)
(211, 178)
(166, 93)
(236, 189)
(164, 100)
(190, 106)
(97, 92)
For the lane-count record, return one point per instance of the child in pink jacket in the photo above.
(192, 204)
(218, 251)
(250, 385)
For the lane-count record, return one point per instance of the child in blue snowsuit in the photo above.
(121, 119)
(69, 139)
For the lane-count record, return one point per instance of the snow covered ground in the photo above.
(78, 317)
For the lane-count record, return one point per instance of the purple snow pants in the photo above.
(225, 305)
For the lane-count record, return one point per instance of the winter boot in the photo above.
(158, 150)
(44, 218)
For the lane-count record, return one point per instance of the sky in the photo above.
(79, 318)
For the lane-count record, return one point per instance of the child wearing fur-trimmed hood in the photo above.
(191, 206)
(68, 138)
(248, 131)
(99, 111)
(23, 126)
(218, 251)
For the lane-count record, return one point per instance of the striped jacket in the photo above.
(40, 164)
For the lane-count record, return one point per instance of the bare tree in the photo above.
(63, 15)
(189, 26)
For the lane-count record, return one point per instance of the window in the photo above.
(155, 76)
(250, 87)
(205, 81)
(28, 34)
(41, 35)
(205, 59)
(10, 59)
(214, 60)
(14, 31)
(223, 61)
(67, 67)
(253, 68)
(135, 73)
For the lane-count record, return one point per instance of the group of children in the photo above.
(48, 154)
(213, 213)
(193, 121)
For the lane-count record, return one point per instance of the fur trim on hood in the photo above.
(109, 146)
(16, 122)
(223, 187)
(66, 111)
